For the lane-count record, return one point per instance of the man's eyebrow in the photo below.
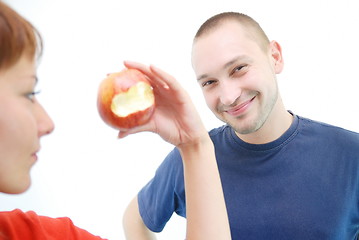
(236, 59)
(201, 77)
(226, 65)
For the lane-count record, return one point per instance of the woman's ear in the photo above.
(276, 54)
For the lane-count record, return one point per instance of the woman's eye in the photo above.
(31, 96)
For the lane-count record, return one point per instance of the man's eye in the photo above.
(238, 69)
(206, 83)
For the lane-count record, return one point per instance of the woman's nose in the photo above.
(45, 123)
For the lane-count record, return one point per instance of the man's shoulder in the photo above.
(224, 129)
(326, 126)
(220, 133)
(326, 130)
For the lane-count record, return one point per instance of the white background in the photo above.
(84, 171)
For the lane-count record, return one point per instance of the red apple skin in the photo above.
(114, 84)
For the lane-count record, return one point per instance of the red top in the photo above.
(17, 225)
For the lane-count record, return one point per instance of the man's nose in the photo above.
(229, 91)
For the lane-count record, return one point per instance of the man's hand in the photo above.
(175, 118)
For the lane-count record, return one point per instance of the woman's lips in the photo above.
(240, 109)
(34, 155)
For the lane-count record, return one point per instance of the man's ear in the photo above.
(276, 54)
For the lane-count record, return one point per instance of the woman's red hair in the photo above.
(17, 37)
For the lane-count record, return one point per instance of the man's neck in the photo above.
(277, 123)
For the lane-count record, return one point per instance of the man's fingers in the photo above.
(156, 81)
(143, 128)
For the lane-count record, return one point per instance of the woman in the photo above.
(23, 122)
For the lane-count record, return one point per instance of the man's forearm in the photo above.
(205, 206)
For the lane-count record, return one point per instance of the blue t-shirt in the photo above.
(303, 185)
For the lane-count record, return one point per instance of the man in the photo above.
(283, 176)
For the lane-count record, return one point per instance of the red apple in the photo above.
(125, 99)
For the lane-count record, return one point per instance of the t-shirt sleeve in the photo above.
(163, 194)
(17, 224)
